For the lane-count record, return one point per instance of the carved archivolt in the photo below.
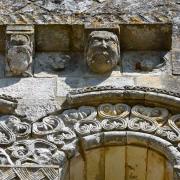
(52, 139)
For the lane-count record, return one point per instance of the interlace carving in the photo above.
(113, 111)
(146, 118)
(48, 125)
(86, 127)
(62, 137)
(54, 138)
(83, 113)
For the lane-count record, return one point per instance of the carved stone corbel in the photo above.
(102, 52)
(19, 50)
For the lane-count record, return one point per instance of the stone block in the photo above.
(149, 81)
(35, 109)
(92, 141)
(176, 62)
(29, 88)
(114, 80)
(53, 38)
(2, 38)
(2, 65)
(144, 62)
(64, 85)
(155, 37)
(115, 138)
(137, 138)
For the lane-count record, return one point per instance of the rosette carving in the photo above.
(60, 138)
(113, 111)
(114, 124)
(86, 127)
(83, 113)
(48, 125)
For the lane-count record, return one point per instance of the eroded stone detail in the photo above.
(83, 113)
(29, 173)
(19, 52)
(102, 51)
(36, 151)
(7, 104)
(113, 111)
(130, 88)
(60, 136)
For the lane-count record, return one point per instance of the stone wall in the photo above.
(57, 56)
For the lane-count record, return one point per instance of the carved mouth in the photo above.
(101, 58)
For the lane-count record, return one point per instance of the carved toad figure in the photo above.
(102, 51)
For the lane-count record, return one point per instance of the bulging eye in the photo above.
(111, 41)
(96, 41)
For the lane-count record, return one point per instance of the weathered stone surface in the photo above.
(152, 11)
(144, 62)
(19, 50)
(102, 51)
(2, 65)
(29, 88)
(34, 110)
(123, 124)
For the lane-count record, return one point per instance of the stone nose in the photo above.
(104, 44)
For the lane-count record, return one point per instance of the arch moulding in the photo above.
(93, 120)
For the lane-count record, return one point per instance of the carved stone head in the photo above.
(19, 54)
(19, 50)
(102, 51)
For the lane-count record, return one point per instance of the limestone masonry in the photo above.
(89, 90)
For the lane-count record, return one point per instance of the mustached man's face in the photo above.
(102, 51)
